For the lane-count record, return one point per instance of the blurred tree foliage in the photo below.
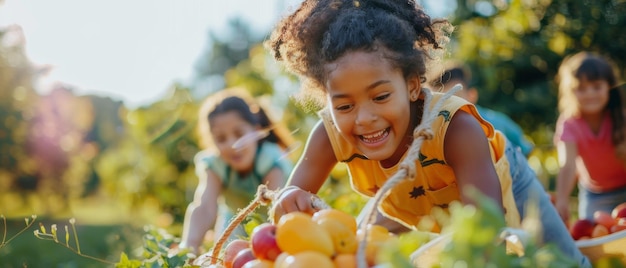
(514, 48)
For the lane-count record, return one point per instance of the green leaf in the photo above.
(127, 263)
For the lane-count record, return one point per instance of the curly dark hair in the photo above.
(321, 31)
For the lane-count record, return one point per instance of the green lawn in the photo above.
(100, 241)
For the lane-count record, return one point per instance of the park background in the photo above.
(115, 168)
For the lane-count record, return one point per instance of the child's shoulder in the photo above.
(205, 156)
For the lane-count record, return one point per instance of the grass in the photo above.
(104, 242)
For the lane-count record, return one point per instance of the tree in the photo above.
(223, 53)
(514, 48)
(17, 97)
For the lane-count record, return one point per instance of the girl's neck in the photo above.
(594, 121)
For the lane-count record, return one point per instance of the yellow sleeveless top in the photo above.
(435, 183)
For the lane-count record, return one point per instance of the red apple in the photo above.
(619, 211)
(243, 257)
(582, 227)
(232, 249)
(263, 242)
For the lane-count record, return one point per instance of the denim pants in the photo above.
(590, 202)
(526, 186)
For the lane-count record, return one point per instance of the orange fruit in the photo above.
(375, 232)
(258, 263)
(617, 227)
(345, 261)
(339, 215)
(377, 235)
(280, 259)
(344, 239)
(297, 232)
(599, 230)
(604, 218)
(307, 259)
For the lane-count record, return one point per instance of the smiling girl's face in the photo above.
(226, 129)
(370, 104)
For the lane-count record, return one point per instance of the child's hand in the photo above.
(562, 206)
(293, 199)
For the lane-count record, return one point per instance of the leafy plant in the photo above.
(53, 235)
(157, 251)
(29, 222)
(476, 240)
(157, 247)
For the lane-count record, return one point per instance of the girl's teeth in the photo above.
(371, 138)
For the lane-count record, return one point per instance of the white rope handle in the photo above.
(407, 167)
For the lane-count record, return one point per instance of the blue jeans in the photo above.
(526, 186)
(589, 202)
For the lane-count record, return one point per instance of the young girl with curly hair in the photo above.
(367, 60)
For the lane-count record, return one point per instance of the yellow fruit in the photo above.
(297, 232)
(345, 261)
(377, 235)
(307, 259)
(374, 233)
(341, 216)
(280, 259)
(258, 263)
(344, 239)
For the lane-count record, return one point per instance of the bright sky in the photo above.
(130, 50)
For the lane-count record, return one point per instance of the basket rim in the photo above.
(592, 242)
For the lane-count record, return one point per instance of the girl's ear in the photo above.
(415, 87)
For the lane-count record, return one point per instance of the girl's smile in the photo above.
(370, 104)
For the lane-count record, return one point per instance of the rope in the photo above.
(407, 167)
(263, 196)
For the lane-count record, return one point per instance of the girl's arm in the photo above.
(467, 151)
(274, 179)
(566, 179)
(201, 212)
(316, 162)
(309, 174)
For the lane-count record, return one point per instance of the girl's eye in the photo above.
(382, 97)
(344, 107)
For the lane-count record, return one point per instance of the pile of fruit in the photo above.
(328, 238)
(602, 224)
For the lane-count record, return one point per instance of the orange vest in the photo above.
(435, 183)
